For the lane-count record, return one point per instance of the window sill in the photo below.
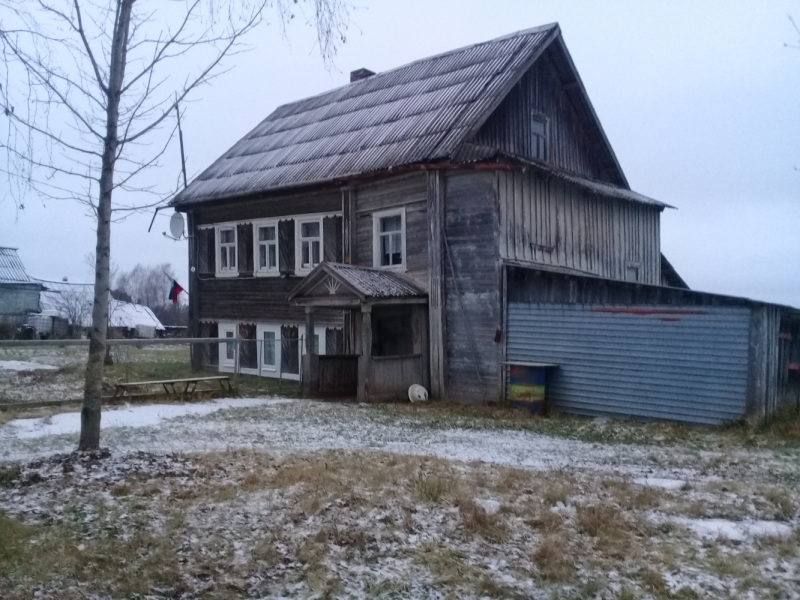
(267, 274)
(227, 273)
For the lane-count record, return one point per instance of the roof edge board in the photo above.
(579, 84)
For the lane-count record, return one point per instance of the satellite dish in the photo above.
(176, 225)
(417, 393)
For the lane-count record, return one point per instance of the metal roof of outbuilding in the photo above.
(11, 268)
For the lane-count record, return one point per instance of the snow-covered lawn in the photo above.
(285, 498)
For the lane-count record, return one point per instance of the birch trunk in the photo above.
(90, 415)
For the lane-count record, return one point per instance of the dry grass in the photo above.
(552, 559)
(476, 520)
(782, 501)
(432, 488)
(297, 515)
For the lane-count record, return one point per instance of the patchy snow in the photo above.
(662, 483)
(149, 415)
(21, 365)
(739, 531)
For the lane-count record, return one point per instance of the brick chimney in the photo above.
(360, 74)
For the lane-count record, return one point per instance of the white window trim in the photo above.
(225, 364)
(298, 254)
(228, 272)
(266, 370)
(376, 242)
(266, 272)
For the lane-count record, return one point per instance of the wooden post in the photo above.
(365, 360)
(310, 364)
(436, 285)
(236, 363)
(425, 347)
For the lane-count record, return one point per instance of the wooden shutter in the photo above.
(244, 247)
(332, 239)
(286, 245)
(206, 251)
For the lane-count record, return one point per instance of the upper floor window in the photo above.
(539, 136)
(266, 245)
(226, 250)
(309, 243)
(389, 239)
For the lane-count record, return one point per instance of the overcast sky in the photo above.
(700, 101)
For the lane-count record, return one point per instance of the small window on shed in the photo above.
(632, 273)
(539, 136)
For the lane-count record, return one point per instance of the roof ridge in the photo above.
(521, 32)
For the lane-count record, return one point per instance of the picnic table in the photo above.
(169, 385)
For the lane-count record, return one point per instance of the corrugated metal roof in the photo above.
(419, 112)
(375, 283)
(11, 268)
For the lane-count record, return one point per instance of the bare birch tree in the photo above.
(89, 91)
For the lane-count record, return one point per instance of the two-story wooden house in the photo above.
(395, 218)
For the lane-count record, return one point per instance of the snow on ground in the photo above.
(286, 425)
(150, 415)
(21, 365)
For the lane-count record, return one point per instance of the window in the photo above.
(226, 250)
(389, 239)
(269, 338)
(539, 137)
(309, 243)
(266, 245)
(632, 272)
(227, 350)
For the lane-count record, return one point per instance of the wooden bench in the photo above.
(121, 389)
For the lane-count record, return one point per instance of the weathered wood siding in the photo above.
(552, 222)
(472, 287)
(248, 298)
(573, 142)
(391, 376)
(320, 201)
(255, 299)
(409, 192)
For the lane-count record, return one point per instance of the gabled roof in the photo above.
(11, 268)
(419, 112)
(363, 282)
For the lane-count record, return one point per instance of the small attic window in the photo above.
(539, 136)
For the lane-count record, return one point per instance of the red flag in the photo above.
(174, 291)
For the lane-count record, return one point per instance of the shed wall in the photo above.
(553, 222)
(661, 362)
(19, 299)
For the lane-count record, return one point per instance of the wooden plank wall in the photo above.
(552, 222)
(255, 299)
(409, 191)
(321, 201)
(572, 144)
(763, 376)
(470, 230)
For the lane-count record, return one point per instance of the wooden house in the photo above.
(385, 232)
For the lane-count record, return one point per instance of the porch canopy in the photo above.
(389, 343)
